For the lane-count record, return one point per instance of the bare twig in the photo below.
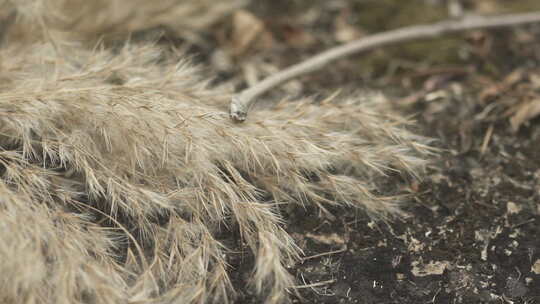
(487, 138)
(324, 254)
(242, 101)
(323, 283)
(523, 223)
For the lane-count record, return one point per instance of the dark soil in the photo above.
(473, 225)
(471, 235)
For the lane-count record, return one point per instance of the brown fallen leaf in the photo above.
(248, 31)
(525, 112)
(328, 239)
(343, 30)
(534, 79)
(536, 267)
(432, 268)
(486, 7)
(296, 36)
(501, 87)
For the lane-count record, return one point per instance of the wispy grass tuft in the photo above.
(120, 170)
(89, 21)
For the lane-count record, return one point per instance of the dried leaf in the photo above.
(536, 267)
(432, 268)
(513, 208)
(297, 37)
(328, 239)
(344, 31)
(486, 6)
(248, 31)
(500, 88)
(534, 79)
(525, 112)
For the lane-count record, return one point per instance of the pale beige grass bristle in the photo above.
(89, 21)
(120, 173)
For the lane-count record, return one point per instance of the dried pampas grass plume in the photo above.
(91, 20)
(122, 177)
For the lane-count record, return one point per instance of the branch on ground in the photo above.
(242, 101)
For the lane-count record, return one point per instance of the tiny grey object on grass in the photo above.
(237, 110)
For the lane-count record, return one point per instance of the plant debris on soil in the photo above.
(470, 230)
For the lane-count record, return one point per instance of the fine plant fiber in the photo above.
(89, 21)
(120, 170)
(122, 178)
